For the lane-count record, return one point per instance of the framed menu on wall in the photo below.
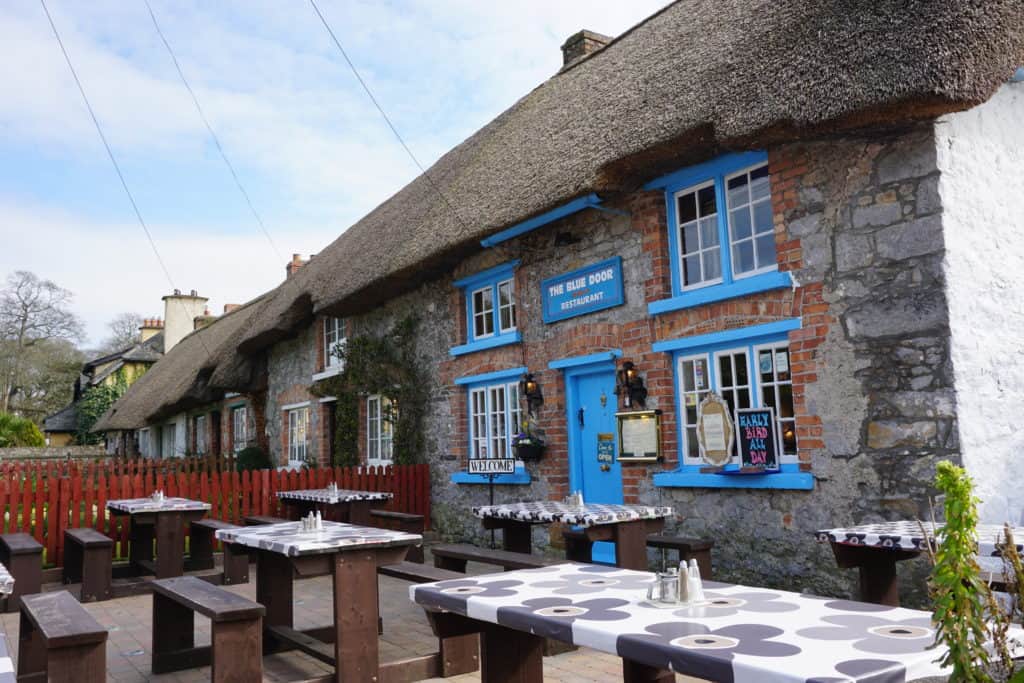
(715, 431)
(639, 435)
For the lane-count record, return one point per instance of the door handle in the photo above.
(579, 416)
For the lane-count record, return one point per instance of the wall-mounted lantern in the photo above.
(530, 389)
(630, 386)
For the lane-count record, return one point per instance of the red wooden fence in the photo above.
(45, 498)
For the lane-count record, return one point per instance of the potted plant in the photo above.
(529, 447)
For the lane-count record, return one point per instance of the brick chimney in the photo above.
(228, 308)
(580, 44)
(293, 266)
(149, 328)
(203, 320)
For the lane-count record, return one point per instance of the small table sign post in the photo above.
(491, 468)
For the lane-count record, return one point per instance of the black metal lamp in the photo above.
(530, 389)
(631, 386)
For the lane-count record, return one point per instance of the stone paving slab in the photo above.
(406, 634)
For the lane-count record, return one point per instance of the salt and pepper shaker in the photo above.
(696, 587)
(319, 521)
(683, 591)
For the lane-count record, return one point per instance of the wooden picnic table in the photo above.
(336, 505)
(351, 555)
(874, 549)
(738, 633)
(625, 525)
(165, 520)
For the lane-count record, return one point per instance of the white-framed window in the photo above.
(731, 373)
(380, 430)
(169, 440)
(494, 417)
(199, 427)
(298, 433)
(144, 445)
(483, 312)
(751, 225)
(490, 298)
(700, 246)
(776, 381)
(334, 339)
(239, 428)
(721, 225)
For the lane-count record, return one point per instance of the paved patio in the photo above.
(406, 633)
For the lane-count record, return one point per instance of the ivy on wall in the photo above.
(95, 401)
(387, 365)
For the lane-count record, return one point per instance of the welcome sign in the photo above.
(582, 291)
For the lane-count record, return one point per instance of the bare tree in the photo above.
(31, 310)
(124, 332)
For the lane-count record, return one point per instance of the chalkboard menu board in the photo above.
(758, 440)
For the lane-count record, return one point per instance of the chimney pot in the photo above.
(177, 292)
(580, 44)
(293, 265)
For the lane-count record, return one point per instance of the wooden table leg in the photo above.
(877, 568)
(517, 537)
(170, 545)
(509, 656)
(274, 575)
(356, 613)
(140, 550)
(359, 512)
(631, 544)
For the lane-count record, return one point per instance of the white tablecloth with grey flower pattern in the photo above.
(133, 506)
(289, 539)
(588, 514)
(333, 496)
(908, 536)
(741, 634)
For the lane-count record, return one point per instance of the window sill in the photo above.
(489, 343)
(689, 476)
(765, 282)
(332, 371)
(520, 476)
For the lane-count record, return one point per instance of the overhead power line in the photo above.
(113, 159)
(383, 114)
(213, 135)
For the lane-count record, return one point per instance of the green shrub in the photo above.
(19, 431)
(252, 458)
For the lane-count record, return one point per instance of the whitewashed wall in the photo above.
(981, 159)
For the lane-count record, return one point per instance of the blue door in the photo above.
(594, 464)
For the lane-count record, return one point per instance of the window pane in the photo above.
(690, 241)
(724, 371)
(765, 250)
(763, 221)
(708, 232)
(687, 207)
(785, 400)
(738, 190)
(712, 264)
(759, 186)
(782, 364)
(740, 221)
(706, 201)
(744, 398)
(691, 270)
(743, 257)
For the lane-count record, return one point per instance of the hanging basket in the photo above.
(529, 452)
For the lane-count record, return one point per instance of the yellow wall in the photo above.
(60, 439)
(132, 371)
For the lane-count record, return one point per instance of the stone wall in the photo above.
(52, 452)
(290, 368)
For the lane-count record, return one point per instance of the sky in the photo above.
(308, 145)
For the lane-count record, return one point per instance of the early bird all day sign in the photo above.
(582, 291)
(759, 445)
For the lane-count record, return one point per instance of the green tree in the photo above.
(19, 431)
(95, 401)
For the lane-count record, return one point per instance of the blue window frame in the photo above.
(721, 231)
(490, 300)
(748, 367)
(494, 414)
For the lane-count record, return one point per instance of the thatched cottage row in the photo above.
(798, 207)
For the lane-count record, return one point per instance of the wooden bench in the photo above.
(236, 652)
(415, 572)
(88, 555)
(688, 548)
(259, 520)
(58, 640)
(402, 521)
(236, 558)
(23, 557)
(455, 556)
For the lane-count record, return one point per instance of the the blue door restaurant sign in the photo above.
(582, 291)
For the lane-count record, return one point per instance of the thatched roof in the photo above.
(179, 380)
(698, 77)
